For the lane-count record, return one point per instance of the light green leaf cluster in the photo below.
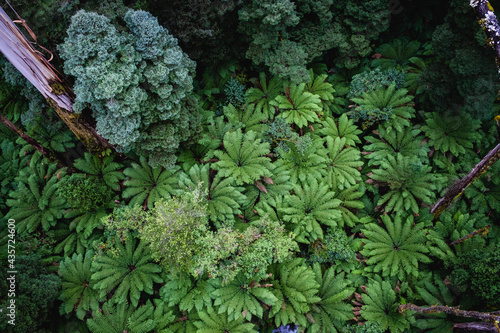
(172, 228)
(228, 252)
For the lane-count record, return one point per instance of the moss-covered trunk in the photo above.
(20, 52)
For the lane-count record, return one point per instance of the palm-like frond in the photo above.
(387, 106)
(349, 204)
(146, 184)
(263, 94)
(396, 250)
(310, 206)
(224, 198)
(102, 168)
(243, 158)
(242, 299)
(296, 289)
(343, 163)
(130, 271)
(212, 321)
(406, 142)
(381, 307)
(434, 291)
(343, 127)
(452, 133)
(331, 313)
(245, 117)
(299, 107)
(408, 180)
(122, 318)
(78, 293)
(396, 54)
(318, 85)
(36, 201)
(303, 164)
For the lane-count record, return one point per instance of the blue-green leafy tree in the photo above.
(137, 82)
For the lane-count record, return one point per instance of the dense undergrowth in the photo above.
(287, 180)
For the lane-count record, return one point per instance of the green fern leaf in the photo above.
(212, 321)
(263, 94)
(103, 168)
(343, 163)
(130, 271)
(145, 184)
(396, 250)
(78, 293)
(296, 289)
(343, 128)
(310, 205)
(381, 307)
(331, 313)
(243, 159)
(299, 107)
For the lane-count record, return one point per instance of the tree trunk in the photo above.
(19, 51)
(44, 151)
(489, 23)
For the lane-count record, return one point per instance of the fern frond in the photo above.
(296, 289)
(224, 198)
(146, 184)
(310, 205)
(343, 128)
(212, 321)
(78, 293)
(397, 249)
(131, 271)
(103, 168)
(408, 180)
(331, 313)
(263, 94)
(406, 142)
(452, 133)
(299, 107)
(36, 201)
(381, 307)
(122, 318)
(343, 163)
(243, 158)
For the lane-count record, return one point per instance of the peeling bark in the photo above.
(34, 67)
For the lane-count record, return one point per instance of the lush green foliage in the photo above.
(138, 84)
(303, 202)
